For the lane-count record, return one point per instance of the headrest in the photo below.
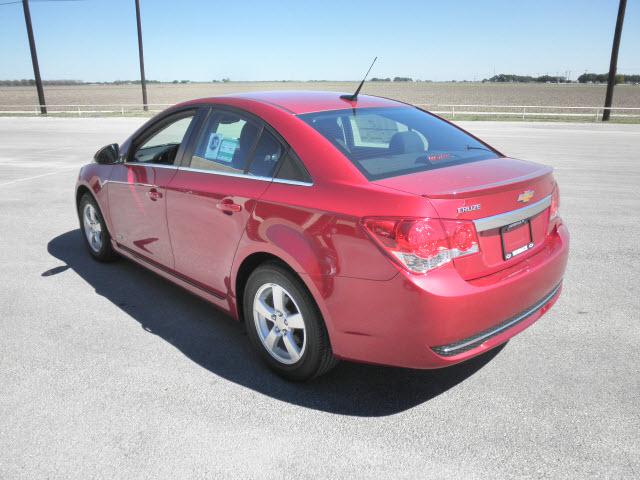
(248, 135)
(406, 142)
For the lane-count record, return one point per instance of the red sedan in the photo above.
(334, 227)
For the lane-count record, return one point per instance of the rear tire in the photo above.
(285, 325)
(94, 230)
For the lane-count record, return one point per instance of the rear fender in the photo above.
(286, 241)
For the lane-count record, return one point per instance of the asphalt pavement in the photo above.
(108, 371)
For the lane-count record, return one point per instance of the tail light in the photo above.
(554, 219)
(422, 244)
(555, 203)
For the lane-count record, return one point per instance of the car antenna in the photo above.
(354, 97)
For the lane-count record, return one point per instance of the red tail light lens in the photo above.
(422, 244)
(463, 236)
(555, 203)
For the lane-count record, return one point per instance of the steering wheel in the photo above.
(166, 156)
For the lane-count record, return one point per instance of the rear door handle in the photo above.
(154, 194)
(228, 206)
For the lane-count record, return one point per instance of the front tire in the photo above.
(94, 230)
(284, 324)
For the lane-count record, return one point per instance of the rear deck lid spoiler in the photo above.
(469, 180)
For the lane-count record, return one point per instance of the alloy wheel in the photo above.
(92, 227)
(279, 323)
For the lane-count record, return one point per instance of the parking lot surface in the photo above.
(110, 371)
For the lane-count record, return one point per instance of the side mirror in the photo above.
(108, 155)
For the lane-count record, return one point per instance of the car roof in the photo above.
(300, 101)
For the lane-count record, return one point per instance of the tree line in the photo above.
(510, 78)
(604, 78)
(584, 78)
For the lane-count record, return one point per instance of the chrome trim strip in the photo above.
(452, 348)
(244, 175)
(225, 174)
(502, 219)
(292, 182)
(154, 165)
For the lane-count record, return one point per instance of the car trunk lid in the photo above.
(507, 199)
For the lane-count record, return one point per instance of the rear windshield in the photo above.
(387, 142)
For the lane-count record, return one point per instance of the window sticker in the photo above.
(374, 130)
(213, 145)
(220, 149)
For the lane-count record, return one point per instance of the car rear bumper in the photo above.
(439, 319)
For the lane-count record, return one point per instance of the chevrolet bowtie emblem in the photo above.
(524, 197)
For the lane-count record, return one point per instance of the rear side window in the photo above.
(392, 141)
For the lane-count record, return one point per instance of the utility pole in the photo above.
(34, 57)
(143, 81)
(614, 61)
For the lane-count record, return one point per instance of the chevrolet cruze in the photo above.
(335, 227)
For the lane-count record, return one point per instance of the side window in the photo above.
(293, 169)
(162, 147)
(225, 143)
(266, 155)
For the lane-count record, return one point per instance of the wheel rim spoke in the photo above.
(271, 339)
(278, 297)
(263, 309)
(290, 345)
(295, 321)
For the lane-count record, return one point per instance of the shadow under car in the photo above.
(211, 339)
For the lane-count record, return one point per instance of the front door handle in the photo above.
(154, 194)
(228, 206)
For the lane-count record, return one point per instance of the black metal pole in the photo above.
(143, 81)
(34, 57)
(613, 66)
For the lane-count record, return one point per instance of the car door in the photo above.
(137, 189)
(213, 194)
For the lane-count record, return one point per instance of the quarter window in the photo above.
(266, 156)
(292, 169)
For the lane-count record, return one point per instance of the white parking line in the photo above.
(26, 179)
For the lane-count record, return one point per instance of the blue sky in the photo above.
(95, 40)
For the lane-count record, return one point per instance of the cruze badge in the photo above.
(469, 208)
(524, 197)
